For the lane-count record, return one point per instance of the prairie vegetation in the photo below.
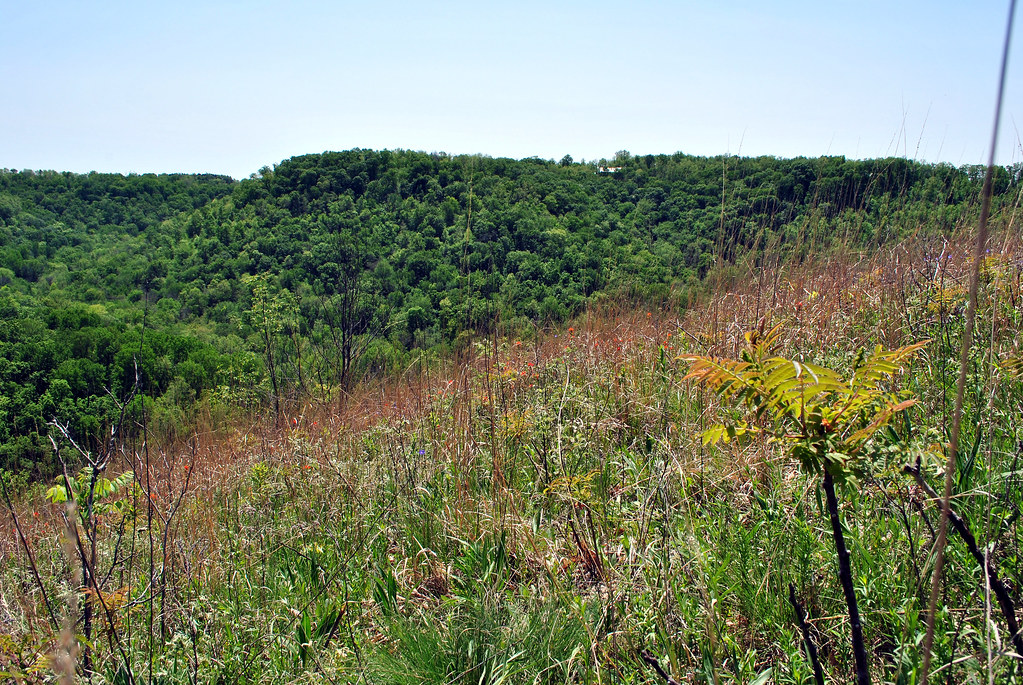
(544, 507)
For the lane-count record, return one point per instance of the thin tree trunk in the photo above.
(998, 587)
(845, 574)
(811, 648)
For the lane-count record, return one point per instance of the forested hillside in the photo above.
(309, 274)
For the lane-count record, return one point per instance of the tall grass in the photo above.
(543, 510)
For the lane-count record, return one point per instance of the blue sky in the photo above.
(229, 87)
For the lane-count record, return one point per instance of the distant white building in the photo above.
(608, 169)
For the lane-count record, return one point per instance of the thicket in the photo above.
(202, 289)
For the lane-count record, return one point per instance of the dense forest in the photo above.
(305, 276)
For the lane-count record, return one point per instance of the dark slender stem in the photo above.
(652, 660)
(112, 635)
(811, 648)
(971, 315)
(998, 587)
(28, 551)
(845, 575)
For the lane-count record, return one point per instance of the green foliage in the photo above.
(821, 418)
(87, 491)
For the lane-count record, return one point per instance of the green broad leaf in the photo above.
(714, 435)
(726, 434)
(57, 494)
(789, 388)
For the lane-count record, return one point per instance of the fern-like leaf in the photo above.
(879, 420)
(883, 364)
(824, 418)
(726, 376)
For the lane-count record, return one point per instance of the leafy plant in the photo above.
(822, 419)
(80, 489)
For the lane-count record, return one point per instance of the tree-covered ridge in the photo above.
(457, 237)
(307, 273)
(80, 228)
(74, 261)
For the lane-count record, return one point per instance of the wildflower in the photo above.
(422, 452)
(307, 466)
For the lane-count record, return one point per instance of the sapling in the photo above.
(822, 419)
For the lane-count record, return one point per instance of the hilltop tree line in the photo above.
(308, 274)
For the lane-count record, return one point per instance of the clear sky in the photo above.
(229, 87)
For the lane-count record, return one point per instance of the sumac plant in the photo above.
(823, 419)
(91, 493)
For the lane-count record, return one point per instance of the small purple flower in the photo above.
(422, 452)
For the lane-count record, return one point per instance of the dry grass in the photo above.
(580, 444)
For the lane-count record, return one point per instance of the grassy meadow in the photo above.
(544, 509)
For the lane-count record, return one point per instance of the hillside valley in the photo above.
(399, 417)
(327, 268)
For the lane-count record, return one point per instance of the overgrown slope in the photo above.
(545, 509)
